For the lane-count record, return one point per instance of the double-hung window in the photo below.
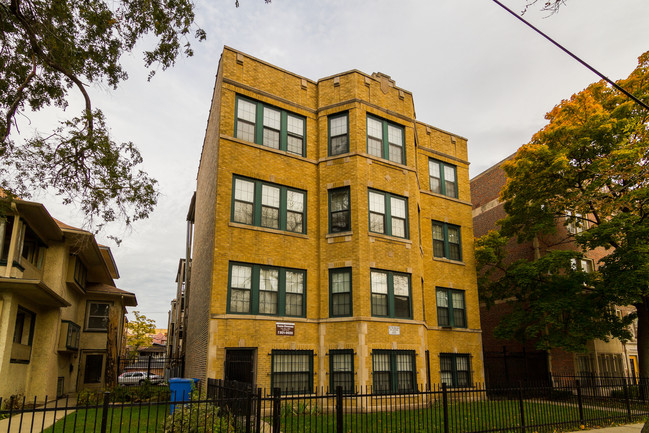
(23, 336)
(339, 210)
(338, 133)
(268, 290)
(341, 370)
(455, 369)
(340, 292)
(442, 178)
(393, 371)
(270, 126)
(446, 241)
(97, 317)
(385, 140)
(583, 265)
(292, 371)
(390, 294)
(268, 205)
(577, 223)
(451, 308)
(388, 214)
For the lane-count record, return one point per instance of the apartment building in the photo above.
(331, 238)
(507, 360)
(61, 316)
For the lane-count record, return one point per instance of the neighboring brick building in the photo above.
(511, 360)
(332, 237)
(61, 316)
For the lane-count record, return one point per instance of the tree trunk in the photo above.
(643, 337)
(111, 347)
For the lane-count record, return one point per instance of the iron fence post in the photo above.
(104, 413)
(339, 409)
(581, 406)
(626, 399)
(148, 368)
(276, 410)
(445, 407)
(521, 406)
(248, 410)
(258, 420)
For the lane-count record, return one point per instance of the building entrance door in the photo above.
(240, 365)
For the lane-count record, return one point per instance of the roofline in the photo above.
(493, 167)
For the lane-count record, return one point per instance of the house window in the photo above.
(339, 210)
(385, 139)
(446, 241)
(23, 336)
(340, 295)
(72, 335)
(388, 214)
(93, 368)
(80, 272)
(451, 308)
(270, 126)
(341, 370)
(338, 134)
(390, 294)
(33, 250)
(292, 371)
(97, 318)
(577, 223)
(267, 205)
(583, 265)
(393, 371)
(455, 369)
(442, 178)
(256, 289)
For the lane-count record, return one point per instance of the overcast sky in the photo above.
(473, 69)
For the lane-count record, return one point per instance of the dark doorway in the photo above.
(93, 369)
(240, 365)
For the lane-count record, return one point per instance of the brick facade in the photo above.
(487, 211)
(213, 330)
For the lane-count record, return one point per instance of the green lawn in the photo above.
(463, 417)
(142, 418)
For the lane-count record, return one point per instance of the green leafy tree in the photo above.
(50, 48)
(588, 167)
(138, 331)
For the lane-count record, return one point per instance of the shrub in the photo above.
(199, 417)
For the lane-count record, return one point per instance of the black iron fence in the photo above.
(567, 404)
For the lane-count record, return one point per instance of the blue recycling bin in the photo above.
(181, 390)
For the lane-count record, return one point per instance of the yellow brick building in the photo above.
(332, 237)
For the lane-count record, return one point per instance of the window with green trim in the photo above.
(338, 133)
(390, 294)
(388, 213)
(341, 370)
(265, 204)
(270, 126)
(442, 178)
(455, 369)
(446, 241)
(393, 371)
(292, 371)
(385, 139)
(451, 308)
(268, 290)
(339, 210)
(340, 292)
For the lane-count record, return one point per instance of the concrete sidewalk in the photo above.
(629, 428)
(33, 421)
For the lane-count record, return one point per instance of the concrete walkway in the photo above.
(34, 422)
(629, 428)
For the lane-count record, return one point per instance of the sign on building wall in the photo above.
(284, 328)
(394, 330)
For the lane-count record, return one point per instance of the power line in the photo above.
(611, 82)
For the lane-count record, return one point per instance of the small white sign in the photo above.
(284, 328)
(394, 330)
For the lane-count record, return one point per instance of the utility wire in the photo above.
(611, 82)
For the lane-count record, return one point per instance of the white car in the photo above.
(138, 378)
